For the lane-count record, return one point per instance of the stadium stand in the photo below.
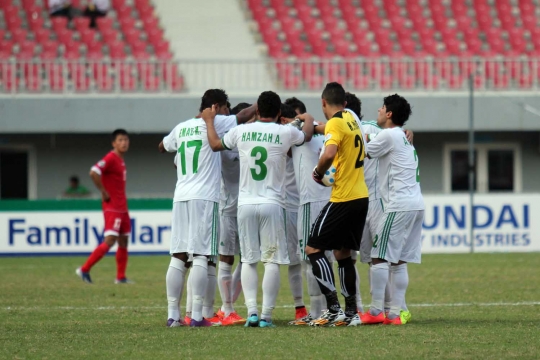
(403, 44)
(42, 54)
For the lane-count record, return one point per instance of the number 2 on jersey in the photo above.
(255, 152)
(359, 143)
(197, 144)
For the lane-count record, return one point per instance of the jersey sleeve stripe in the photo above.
(225, 146)
(96, 170)
(303, 142)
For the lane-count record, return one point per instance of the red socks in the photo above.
(98, 253)
(121, 262)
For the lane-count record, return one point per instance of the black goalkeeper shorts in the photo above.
(339, 225)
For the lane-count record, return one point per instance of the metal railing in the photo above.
(84, 76)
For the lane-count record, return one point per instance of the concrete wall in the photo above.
(152, 174)
(155, 114)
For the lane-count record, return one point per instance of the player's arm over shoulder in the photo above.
(297, 137)
(230, 140)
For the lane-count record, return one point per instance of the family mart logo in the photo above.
(79, 231)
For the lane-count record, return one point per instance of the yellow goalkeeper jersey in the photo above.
(343, 131)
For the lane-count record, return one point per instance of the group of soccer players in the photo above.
(263, 197)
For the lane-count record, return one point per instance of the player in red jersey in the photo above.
(109, 176)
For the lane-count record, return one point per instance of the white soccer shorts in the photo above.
(293, 245)
(374, 216)
(399, 237)
(195, 227)
(261, 229)
(229, 244)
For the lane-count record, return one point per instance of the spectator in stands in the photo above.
(60, 8)
(95, 9)
(75, 189)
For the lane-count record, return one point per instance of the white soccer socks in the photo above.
(225, 287)
(295, 282)
(199, 282)
(388, 292)
(176, 275)
(359, 305)
(316, 298)
(379, 279)
(189, 296)
(250, 284)
(270, 287)
(236, 285)
(210, 296)
(400, 282)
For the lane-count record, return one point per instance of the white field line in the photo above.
(77, 308)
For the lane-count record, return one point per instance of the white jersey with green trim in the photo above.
(263, 151)
(305, 158)
(370, 165)
(399, 174)
(198, 168)
(230, 182)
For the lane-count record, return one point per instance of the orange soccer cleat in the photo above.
(369, 319)
(233, 319)
(187, 320)
(220, 314)
(215, 320)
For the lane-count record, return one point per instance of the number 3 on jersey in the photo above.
(258, 173)
(197, 144)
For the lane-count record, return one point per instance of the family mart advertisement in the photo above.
(502, 223)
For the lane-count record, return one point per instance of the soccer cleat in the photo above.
(85, 276)
(123, 281)
(203, 323)
(349, 321)
(266, 324)
(396, 321)
(175, 323)
(328, 318)
(303, 321)
(405, 316)
(301, 313)
(252, 321)
(369, 319)
(215, 320)
(220, 314)
(187, 320)
(233, 319)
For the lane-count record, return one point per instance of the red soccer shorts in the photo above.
(117, 223)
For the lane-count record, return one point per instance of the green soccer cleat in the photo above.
(405, 316)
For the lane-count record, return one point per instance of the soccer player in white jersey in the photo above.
(263, 147)
(312, 198)
(291, 206)
(194, 229)
(228, 281)
(399, 235)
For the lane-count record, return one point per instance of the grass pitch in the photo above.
(463, 306)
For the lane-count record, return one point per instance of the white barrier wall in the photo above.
(503, 223)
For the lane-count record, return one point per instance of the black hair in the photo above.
(334, 94)
(213, 96)
(74, 178)
(229, 106)
(354, 103)
(288, 111)
(269, 104)
(117, 132)
(239, 107)
(400, 108)
(296, 105)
